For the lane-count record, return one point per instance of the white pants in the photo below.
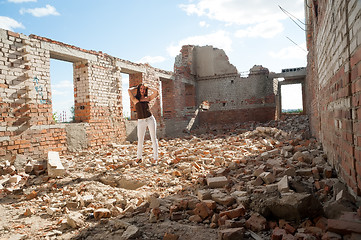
(142, 127)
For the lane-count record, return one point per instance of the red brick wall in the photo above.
(168, 99)
(25, 108)
(237, 116)
(356, 103)
(333, 86)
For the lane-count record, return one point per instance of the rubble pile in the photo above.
(271, 181)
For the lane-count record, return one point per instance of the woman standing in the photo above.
(145, 118)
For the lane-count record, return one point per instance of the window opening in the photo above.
(125, 96)
(62, 89)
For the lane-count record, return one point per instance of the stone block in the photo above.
(55, 167)
(283, 184)
(231, 234)
(75, 220)
(223, 199)
(267, 177)
(343, 227)
(295, 207)
(195, 218)
(217, 182)
(131, 232)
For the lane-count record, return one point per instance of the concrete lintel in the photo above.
(291, 81)
(129, 67)
(165, 75)
(65, 53)
(187, 81)
(296, 74)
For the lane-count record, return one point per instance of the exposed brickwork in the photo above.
(240, 115)
(27, 126)
(25, 108)
(333, 84)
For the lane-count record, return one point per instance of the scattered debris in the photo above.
(251, 181)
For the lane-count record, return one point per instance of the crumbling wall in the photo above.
(98, 100)
(333, 83)
(26, 125)
(179, 94)
(200, 74)
(232, 98)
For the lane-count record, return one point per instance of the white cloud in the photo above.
(57, 92)
(62, 88)
(63, 84)
(9, 23)
(220, 39)
(293, 52)
(203, 24)
(40, 12)
(151, 60)
(264, 30)
(244, 12)
(21, 1)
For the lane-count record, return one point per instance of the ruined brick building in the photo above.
(201, 74)
(331, 91)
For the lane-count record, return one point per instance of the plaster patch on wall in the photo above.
(343, 103)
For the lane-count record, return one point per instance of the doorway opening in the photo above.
(291, 98)
(62, 89)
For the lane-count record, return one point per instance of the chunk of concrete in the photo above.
(217, 182)
(75, 220)
(267, 177)
(132, 232)
(295, 207)
(231, 234)
(283, 184)
(55, 167)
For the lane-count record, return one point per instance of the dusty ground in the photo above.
(105, 195)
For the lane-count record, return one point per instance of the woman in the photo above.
(145, 118)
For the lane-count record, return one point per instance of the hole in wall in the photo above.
(291, 98)
(62, 89)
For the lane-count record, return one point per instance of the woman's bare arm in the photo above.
(132, 97)
(154, 94)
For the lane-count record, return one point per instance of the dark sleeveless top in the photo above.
(142, 109)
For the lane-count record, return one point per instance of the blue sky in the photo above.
(251, 33)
